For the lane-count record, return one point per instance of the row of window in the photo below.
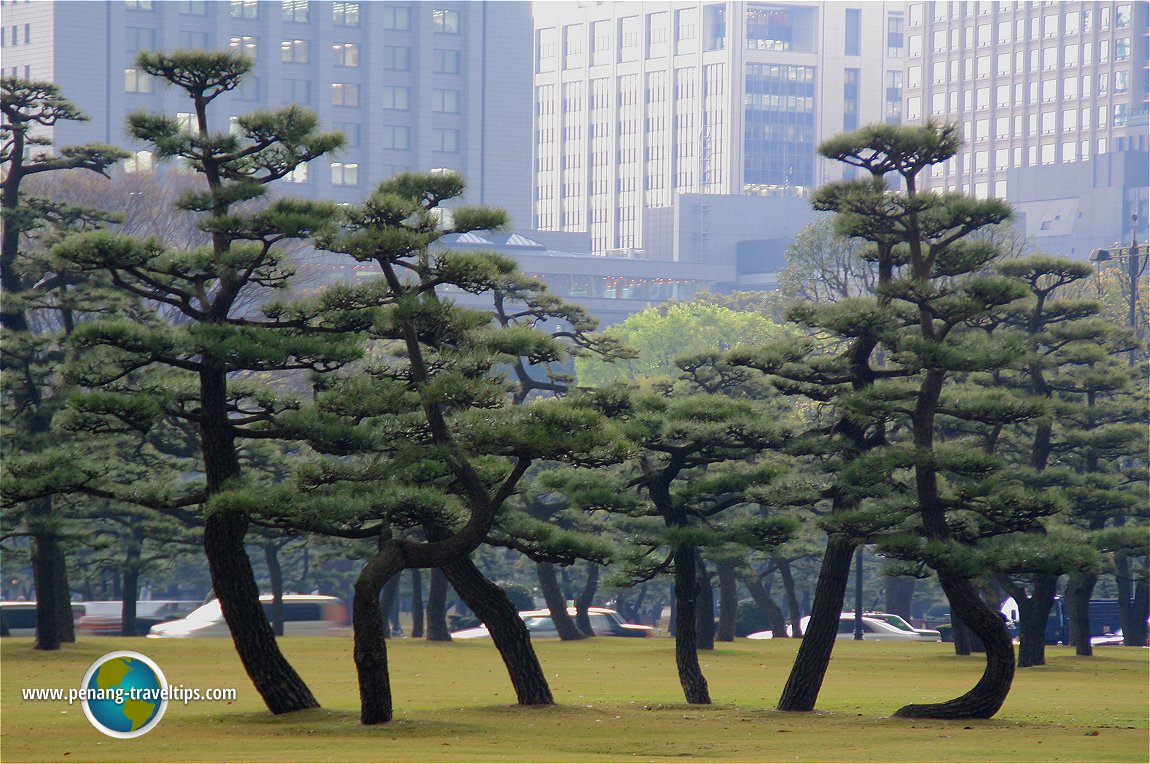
(345, 14)
(1007, 65)
(1121, 15)
(5, 40)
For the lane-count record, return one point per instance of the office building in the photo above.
(1052, 101)
(640, 105)
(414, 85)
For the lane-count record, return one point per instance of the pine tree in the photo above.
(30, 356)
(200, 368)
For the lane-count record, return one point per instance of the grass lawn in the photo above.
(618, 700)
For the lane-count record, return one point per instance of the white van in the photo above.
(312, 615)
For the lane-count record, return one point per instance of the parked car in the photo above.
(880, 626)
(18, 618)
(605, 622)
(104, 618)
(304, 615)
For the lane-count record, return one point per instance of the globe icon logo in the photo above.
(123, 694)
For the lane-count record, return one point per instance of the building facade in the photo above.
(1052, 101)
(413, 85)
(639, 102)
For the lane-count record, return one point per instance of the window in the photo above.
(344, 94)
(345, 14)
(295, 51)
(1122, 16)
(444, 140)
(245, 9)
(298, 91)
(573, 46)
(140, 39)
(345, 173)
(245, 44)
(600, 42)
(1121, 48)
(298, 175)
(1121, 82)
(193, 40)
(686, 29)
(396, 57)
(346, 53)
(350, 131)
(249, 89)
(445, 101)
(894, 35)
(187, 121)
(853, 31)
(447, 61)
(140, 161)
(137, 81)
(191, 7)
(445, 22)
(630, 38)
(394, 137)
(138, 5)
(395, 97)
(392, 17)
(295, 10)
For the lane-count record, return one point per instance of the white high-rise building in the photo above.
(641, 104)
(1052, 100)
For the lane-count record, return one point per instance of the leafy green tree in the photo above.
(825, 267)
(661, 334)
(30, 356)
(200, 368)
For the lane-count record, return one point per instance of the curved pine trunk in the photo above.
(276, 579)
(282, 689)
(704, 607)
(586, 597)
(369, 642)
(553, 595)
(437, 630)
(988, 695)
(790, 594)
(814, 655)
(1033, 612)
(768, 607)
(508, 631)
(686, 650)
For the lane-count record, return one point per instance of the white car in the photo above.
(310, 615)
(880, 626)
(606, 623)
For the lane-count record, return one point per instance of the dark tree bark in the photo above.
(275, 680)
(762, 598)
(1033, 611)
(900, 595)
(276, 576)
(728, 602)
(387, 601)
(1079, 588)
(963, 639)
(556, 603)
(686, 651)
(508, 631)
(416, 603)
(369, 639)
(1133, 603)
(587, 596)
(814, 655)
(704, 607)
(130, 589)
(987, 696)
(437, 630)
(790, 594)
(50, 577)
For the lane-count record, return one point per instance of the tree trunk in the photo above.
(130, 590)
(1140, 609)
(963, 639)
(988, 695)
(728, 602)
(762, 598)
(437, 630)
(416, 603)
(900, 595)
(814, 655)
(53, 599)
(276, 577)
(387, 603)
(1079, 588)
(275, 680)
(704, 607)
(1132, 603)
(790, 594)
(1033, 611)
(370, 643)
(556, 603)
(586, 597)
(686, 651)
(508, 631)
